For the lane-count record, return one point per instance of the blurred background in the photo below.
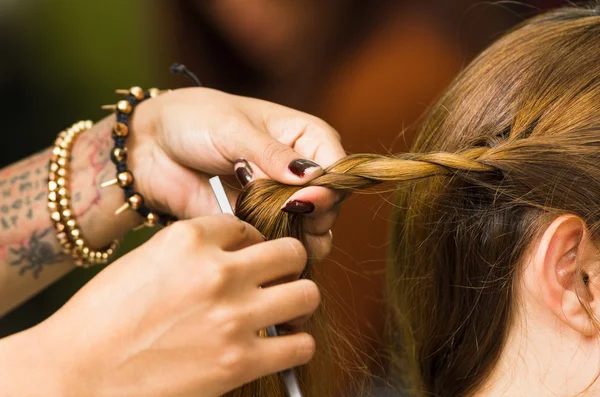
(368, 67)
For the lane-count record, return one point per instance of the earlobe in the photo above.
(558, 262)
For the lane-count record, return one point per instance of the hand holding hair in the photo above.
(184, 137)
(179, 316)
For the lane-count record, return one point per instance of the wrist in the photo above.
(134, 152)
(144, 125)
(102, 225)
(145, 121)
(94, 206)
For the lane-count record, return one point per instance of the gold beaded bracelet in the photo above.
(59, 203)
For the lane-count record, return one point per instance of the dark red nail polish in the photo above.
(243, 171)
(301, 167)
(298, 207)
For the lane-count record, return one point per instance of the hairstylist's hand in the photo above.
(183, 137)
(180, 316)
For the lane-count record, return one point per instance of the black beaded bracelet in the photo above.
(124, 178)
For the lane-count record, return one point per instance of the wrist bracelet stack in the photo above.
(59, 202)
(124, 178)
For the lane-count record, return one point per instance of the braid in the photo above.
(362, 171)
(259, 204)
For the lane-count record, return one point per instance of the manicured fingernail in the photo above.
(243, 171)
(302, 167)
(298, 207)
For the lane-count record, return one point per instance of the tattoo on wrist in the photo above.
(19, 195)
(39, 251)
(27, 237)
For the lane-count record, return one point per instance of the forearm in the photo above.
(30, 255)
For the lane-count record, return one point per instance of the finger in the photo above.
(274, 260)
(318, 247)
(322, 144)
(314, 200)
(285, 302)
(308, 135)
(279, 161)
(247, 171)
(322, 224)
(284, 352)
(227, 231)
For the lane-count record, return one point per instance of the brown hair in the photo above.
(515, 140)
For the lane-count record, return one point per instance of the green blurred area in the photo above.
(61, 60)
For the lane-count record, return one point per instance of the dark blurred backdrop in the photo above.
(368, 67)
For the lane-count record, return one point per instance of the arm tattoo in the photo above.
(27, 238)
(36, 253)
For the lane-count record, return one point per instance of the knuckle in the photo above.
(325, 129)
(298, 250)
(183, 233)
(226, 220)
(229, 322)
(331, 131)
(311, 296)
(305, 349)
(219, 277)
(213, 283)
(233, 359)
(242, 229)
(232, 224)
(273, 152)
(227, 270)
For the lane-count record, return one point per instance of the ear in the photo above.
(559, 262)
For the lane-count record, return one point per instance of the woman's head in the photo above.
(494, 263)
(478, 253)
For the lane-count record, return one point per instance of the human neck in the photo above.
(544, 357)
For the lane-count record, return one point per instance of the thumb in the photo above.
(280, 162)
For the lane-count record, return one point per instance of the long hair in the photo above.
(513, 142)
